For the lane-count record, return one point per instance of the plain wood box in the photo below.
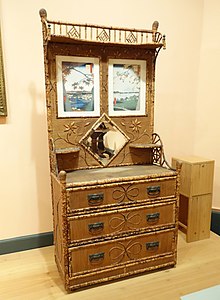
(196, 175)
(196, 184)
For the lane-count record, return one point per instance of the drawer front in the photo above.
(122, 270)
(121, 251)
(122, 221)
(120, 194)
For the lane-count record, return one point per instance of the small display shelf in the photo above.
(150, 153)
(67, 150)
(145, 146)
(67, 158)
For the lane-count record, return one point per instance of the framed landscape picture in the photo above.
(127, 87)
(77, 86)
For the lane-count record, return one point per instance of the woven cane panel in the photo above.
(67, 132)
(125, 221)
(106, 254)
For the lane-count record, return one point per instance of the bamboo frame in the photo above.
(103, 34)
(3, 105)
(125, 194)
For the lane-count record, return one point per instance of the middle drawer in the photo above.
(118, 222)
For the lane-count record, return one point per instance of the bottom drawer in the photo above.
(120, 251)
(120, 271)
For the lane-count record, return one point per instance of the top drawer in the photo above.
(120, 194)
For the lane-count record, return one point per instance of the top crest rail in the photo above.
(101, 34)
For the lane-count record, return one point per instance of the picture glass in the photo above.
(77, 86)
(127, 87)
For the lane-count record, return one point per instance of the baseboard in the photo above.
(215, 221)
(26, 242)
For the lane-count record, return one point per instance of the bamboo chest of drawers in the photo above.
(115, 225)
(115, 197)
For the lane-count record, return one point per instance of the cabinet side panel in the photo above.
(185, 176)
(202, 178)
(205, 205)
(59, 226)
(199, 217)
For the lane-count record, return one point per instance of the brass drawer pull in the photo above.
(152, 218)
(95, 199)
(95, 258)
(152, 246)
(96, 227)
(153, 190)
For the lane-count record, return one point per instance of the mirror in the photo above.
(104, 140)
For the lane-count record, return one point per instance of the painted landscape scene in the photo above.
(78, 86)
(126, 87)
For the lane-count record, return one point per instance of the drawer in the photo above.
(93, 226)
(121, 251)
(119, 271)
(120, 194)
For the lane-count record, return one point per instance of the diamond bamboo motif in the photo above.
(131, 38)
(103, 36)
(73, 33)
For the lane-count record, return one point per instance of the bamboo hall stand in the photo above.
(115, 198)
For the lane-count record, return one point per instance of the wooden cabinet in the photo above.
(130, 227)
(196, 184)
(115, 198)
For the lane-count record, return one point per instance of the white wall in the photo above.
(182, 87)
(177, 77)
(207, 137)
